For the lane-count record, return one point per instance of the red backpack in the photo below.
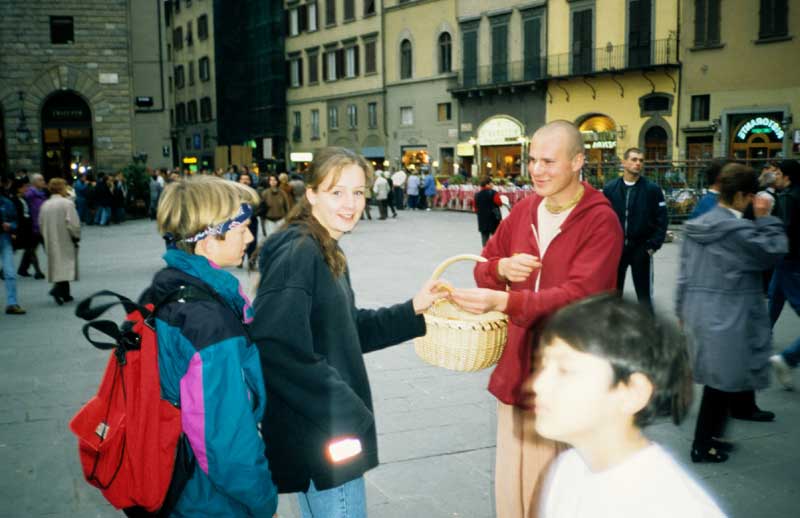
(129, 439)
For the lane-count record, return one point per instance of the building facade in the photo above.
(66, 91)
(420, 42)
(613, 70)
(500, 89)
(335, 92)
(730, 110)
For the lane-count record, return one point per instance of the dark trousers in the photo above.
(641, 264)
(383, 208)
(390, 204)
(366, 210)
(485, 237)
(712, 417)
(412, 201)
(61, 289)
(399, 197)
(29, 257)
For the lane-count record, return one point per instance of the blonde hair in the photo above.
(57, 186)
(194, 204)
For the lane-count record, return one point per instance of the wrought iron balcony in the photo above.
(608, 59)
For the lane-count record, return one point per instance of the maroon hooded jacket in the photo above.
(582, 260)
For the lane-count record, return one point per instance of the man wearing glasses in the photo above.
(642, 212)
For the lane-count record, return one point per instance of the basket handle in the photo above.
(456, 258)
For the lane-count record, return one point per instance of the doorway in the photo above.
(66, 136)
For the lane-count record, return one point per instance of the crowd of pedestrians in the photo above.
(274, 393)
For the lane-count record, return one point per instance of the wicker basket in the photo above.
(458, 340)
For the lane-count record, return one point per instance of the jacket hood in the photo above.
(713, 225)
(193, 269)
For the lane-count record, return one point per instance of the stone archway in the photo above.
(67, 135)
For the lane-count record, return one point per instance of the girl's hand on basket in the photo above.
(518, 267)
(480, 300)
(431, 292)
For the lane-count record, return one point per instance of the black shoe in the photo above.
(14, 310)
(69, 298)
(722, 445)
(710, 454)
(39, 275)
(57, 298)
(394, 215)
(758, 415)
(23, 274)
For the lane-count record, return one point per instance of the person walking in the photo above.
(399, 178)
(298, 187)
(557, 246)
(249, 251)
(283, 180)
(276, 207)
(25, 240)
(487, 207)
(319, 427)
(35, 196)
(642, 212)
(119, 198)
(785, 283)
(156, 185)
(208, 366)
(8, 226)
(719, 301)
(81, 187)
(382, 192)
(412, 189)
(709, 200)
(61, 230)
(104, 199)
(429, 189)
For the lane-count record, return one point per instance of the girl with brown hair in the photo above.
(319, 428)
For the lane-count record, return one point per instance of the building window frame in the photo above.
(294, 21)
(406, 116)
(499, 36)
(369, 8)
(295, 71)
(189, 36)
(204, 69)
(707, 24)
(370, 56)
(180, 77)
(206, 112)
(191, 73)
(444, 112)
(312, 56)
(445, 47)
(351, 57)
(333, 117)
(202, 27)
(312, 14)
(406, 59)
(330, 13)
(582, 68)
(62, 30)
(352, 116)
(348, 10)
(177, 38)
(315, 124)
(297, 129)
(191, 112)
(700, 107)
(773, 21)
(372, 115)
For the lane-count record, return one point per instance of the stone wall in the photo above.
(96, 67)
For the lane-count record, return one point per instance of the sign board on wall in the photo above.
(765, 125)
(499, 131)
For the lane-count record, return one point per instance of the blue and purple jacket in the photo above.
(208, 365)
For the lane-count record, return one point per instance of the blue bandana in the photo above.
(245, 212)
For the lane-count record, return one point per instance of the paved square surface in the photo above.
(436, 427)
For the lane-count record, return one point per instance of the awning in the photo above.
(301, 157)
(373, 152)
(465, 149)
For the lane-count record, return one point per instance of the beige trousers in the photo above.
(521, 462)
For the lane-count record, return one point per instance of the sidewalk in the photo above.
(436, 427)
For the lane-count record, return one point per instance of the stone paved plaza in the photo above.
(436, 428)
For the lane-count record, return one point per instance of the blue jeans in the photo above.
(346, 501)
(82, 206)
(785, 285)
(9, 270)
(102, 215)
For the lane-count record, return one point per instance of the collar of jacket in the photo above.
(221, 281)
(591, 198)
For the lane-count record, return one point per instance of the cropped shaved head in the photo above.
(573, 140)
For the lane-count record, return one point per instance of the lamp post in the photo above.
(475, 156)
(23, 133)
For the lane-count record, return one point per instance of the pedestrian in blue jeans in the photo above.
(785, 284)
(8, 224)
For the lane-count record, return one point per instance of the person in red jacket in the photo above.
(559, 245)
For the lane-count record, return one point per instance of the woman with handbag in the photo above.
(319, 428)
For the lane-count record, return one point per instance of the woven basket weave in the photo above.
(459, 340)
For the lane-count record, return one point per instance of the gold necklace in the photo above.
(554, 208)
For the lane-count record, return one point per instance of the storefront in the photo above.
(501, 141)
(416, 156)
(300, 161)
(600, 140)
(66, 135)
(756, 137)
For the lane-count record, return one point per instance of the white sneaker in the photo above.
(782, 371)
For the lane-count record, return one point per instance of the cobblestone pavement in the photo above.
(436, 427)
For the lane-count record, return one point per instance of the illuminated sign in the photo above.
(190, 160)
(301, 157)
(760, 125)
(601, 144)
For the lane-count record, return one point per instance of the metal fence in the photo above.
(683, 181)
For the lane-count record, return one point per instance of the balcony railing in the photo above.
(610, 58)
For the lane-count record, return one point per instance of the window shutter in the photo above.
(300, 71)
(302, 15)
(713, 21)
(324, 66)
(340, 72)
(533, 47)
(699, 22)
(781, 17)
(356, 58)
(289, 72)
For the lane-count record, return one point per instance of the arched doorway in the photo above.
(655, 144)
(600, 142)
(66, 135)
(757, 138)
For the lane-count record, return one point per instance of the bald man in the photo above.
(559, 245)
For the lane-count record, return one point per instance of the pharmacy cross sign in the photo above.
(760, 125)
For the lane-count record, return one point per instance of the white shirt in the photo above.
(648, 484)
(399, 178)
(549, 226)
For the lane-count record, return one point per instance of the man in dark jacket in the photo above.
(487, 203)
(785, 283)
(642, 211)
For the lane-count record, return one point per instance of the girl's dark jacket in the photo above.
(311, 338)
